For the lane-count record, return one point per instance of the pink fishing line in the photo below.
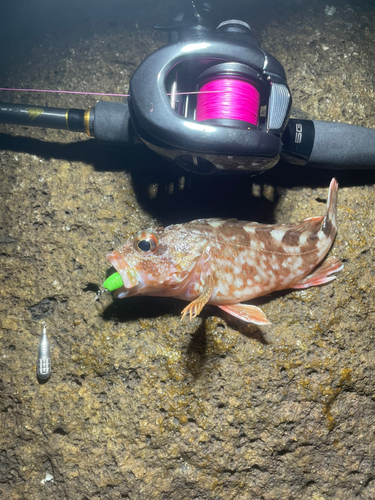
(228, 98)
(64, 92)
(87, 93)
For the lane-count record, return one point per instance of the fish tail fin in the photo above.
(330, 217)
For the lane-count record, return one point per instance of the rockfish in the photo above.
(224, 262)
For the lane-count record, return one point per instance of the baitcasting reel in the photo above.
(211, 101)
(214, 99)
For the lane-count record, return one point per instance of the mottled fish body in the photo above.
(225, 262)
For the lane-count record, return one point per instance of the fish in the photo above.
(225, 262)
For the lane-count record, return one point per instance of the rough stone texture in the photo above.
(139, 404)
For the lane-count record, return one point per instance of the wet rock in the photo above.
(141, 405)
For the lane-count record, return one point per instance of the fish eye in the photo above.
(144, 245)
(146, 242)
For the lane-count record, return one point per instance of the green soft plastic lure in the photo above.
(113, 282)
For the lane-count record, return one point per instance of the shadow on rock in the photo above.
(197, 351)
(174, 195)
(134, 308)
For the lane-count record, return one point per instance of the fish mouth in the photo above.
(129, 275)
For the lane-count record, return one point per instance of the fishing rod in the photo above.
(212, 100)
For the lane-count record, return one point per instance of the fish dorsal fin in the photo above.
(310, 224)
(233, 222)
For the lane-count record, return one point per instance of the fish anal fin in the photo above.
(322, 274)
(248, 313)
(195, 307)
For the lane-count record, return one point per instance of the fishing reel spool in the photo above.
(212, 100)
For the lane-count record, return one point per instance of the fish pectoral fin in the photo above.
(250, 314)
(195, 307)
(322, 274)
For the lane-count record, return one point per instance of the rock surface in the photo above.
(139, 404)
